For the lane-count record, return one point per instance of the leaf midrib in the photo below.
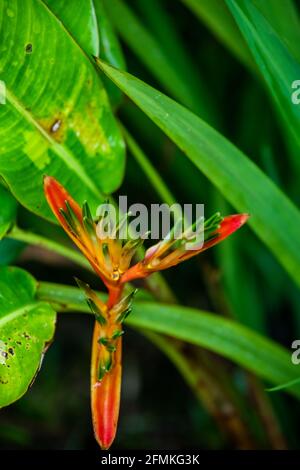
(60, 150)
(19, 312)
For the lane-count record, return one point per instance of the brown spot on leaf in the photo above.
(28, 48)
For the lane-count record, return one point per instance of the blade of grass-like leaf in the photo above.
(274, 217)
(153, 176)
(151, 53)
(32, 238)
(289, 384)
(284, 18)
(278, 66)
(225, 337)
(243, 298)
(236, 342)
(165, 156)
(215, 14)
(240, 283)
(163, 28)
(110, 49)
(282, 15)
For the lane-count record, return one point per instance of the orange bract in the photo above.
(163, 256)
(105, 393)
(109, 257)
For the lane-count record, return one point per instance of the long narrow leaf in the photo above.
(225, 337)
(215, 14)
(278, 66)
(232, 340)
(242, 183)
(175, 80)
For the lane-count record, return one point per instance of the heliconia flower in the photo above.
(109, 256)
(106, 366)
(171, 251)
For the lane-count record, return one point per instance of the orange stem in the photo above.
(114, 295)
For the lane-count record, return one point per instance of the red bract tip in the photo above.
(156, 261)
(57, 196)
(61, 204)
(229, 225)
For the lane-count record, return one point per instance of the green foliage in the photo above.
(217, 17)
(110, 50)
(177, 76)
(243, 184)
(27, 327)
(226, 337)
(80, 21)
(276, 62)
(57, 118)
(8, 211)
(243, 346)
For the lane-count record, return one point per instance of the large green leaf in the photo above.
(57, 119)
(26, 327)
(8, 211)
(274, 217)
(88, 23)
(232, 340)
(80, 19)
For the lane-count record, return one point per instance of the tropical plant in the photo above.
(70, 107)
